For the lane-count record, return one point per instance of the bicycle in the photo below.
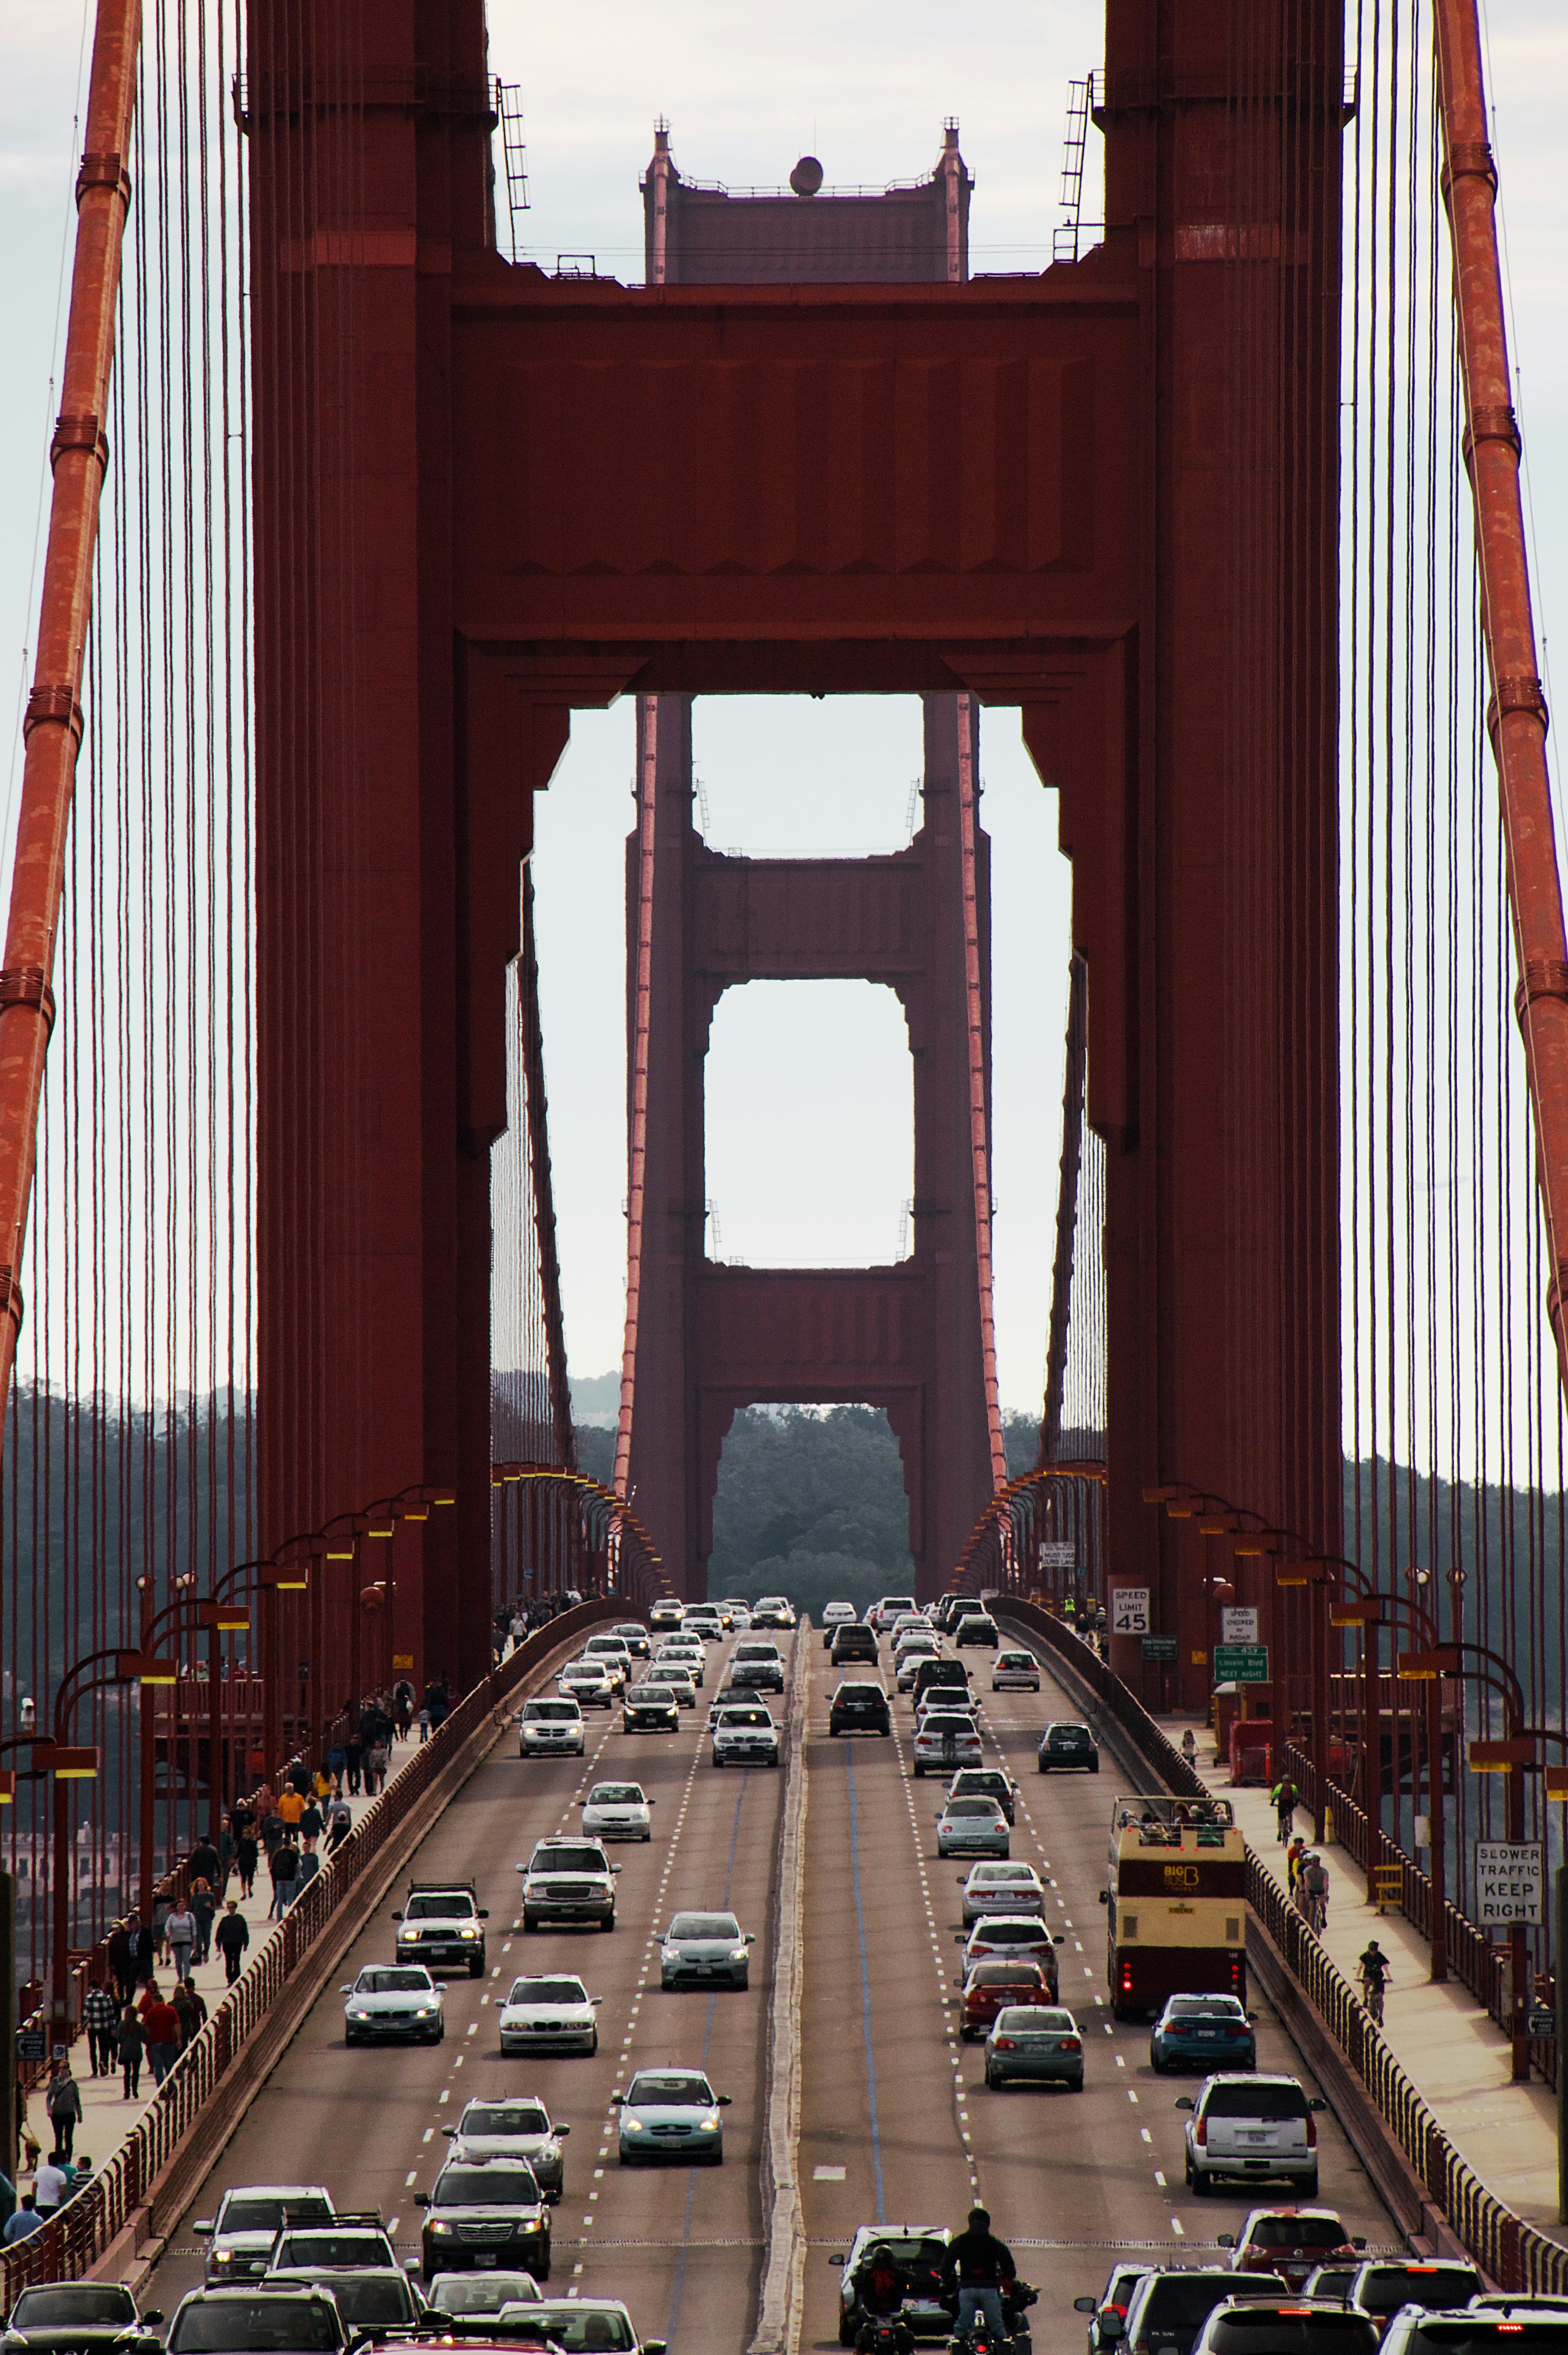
(1373, 1990)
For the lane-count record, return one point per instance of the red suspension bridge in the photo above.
(350, 513)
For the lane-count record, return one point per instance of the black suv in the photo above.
(1068, 1745)
(951, 1675)
(1381, 2286)
(853, 1642)
(485, 2212)
(986, 1783)
(1292, 2327)
(1170, 2307)
(859, 1708)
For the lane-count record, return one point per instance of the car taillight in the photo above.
(1200, 2132)
(1311, 2131)
(1005, 2044)
(1070, 2044)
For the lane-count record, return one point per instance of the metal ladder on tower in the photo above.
(1081, 97)
(506, 98)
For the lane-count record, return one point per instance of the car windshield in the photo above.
(442, 1908)
(617, 1795)
(567, 1859)
(553, 1711)
(1185, 2301)
(375, 2297)
(504, 2118)
(1037, 2019)
(756, 1651)
(745, 1717)
(677, 2088)
(651, 1693)
(1388, 2286)
(1271, 2102)
(485, 2187)
(81, 2303)
(1278, 2330)
(1296, 2233)
(584, 2329)
(374, 1982)
(704, 1926)
(482, 2293)
(547, 1991)
(257, 2325)
(328, 2249)
(247, 2212)
(1203, 2006)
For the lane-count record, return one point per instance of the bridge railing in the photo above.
(1512, 2252)
(87, 2223)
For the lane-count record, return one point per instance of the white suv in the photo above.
(892, 1606)
(550, 1729)
(1259, 2129)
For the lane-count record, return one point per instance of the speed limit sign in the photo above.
(1129, 1611)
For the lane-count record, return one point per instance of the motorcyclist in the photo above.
(880, 2293)
(980, 2265)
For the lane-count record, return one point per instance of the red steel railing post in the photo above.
(53, 726)
(1516, 717)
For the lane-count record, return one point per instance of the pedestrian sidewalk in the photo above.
(1454, 2055)
(108, 2116)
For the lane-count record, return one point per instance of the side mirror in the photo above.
(202, 2224)
(751, 1937)
(485, 1913)
(722, 2101)
(1317, 2104)
(1358, 2244)
(593, 2000)
(153, 2314)
(397, 1917)
(1186, 2103)
(1059, 1942)
(614, 1867)
(206, 2228)
(1104, 1897)
(560, 2131)
(1252, 2015)
(1224, 2240)
(616, 2101)
(449, 2130)
(519, 1868)
(653, 2347)
(835, 2260)
(958, 1938)
(421, 2199)
(1085, 2305)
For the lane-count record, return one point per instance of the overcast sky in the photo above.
(808, 1118)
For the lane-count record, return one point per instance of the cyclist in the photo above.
(1293, 1856)
(1312, 1891)
(1284, 1799)
(1375, 1979)
(980, 2265)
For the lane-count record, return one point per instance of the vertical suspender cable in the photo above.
(647, 803)
(1066, 1209)
(1516, 717)
(53, 726)
(979, 1108)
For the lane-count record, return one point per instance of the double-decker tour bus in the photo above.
(1177, 1902)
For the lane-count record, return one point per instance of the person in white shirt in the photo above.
(50, 2185)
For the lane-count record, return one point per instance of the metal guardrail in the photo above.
(87, 2223)
(1513, 2253)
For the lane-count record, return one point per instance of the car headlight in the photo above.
(226, 2256)
(437, 2227)
(709, 2126)
(424, 2012)
(737, 1953)
(468, 1934)
(531, 2224)
(633, 2125)
(352, 2015)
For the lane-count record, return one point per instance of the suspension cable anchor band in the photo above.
(44, 703)
(12, 1304)
(1542, 977)
(1470, 159)
(1518, 691)
(25, 984)
(79, 433)
(103, 171)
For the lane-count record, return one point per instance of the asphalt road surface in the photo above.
(897, 2123)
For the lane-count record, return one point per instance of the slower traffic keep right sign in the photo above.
(1511, 1882)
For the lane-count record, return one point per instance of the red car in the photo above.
(991, 1986)
(1290, 2241)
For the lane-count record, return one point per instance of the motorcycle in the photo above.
(980, 2336)
(884, 2334)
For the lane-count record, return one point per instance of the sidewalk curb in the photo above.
(780, 2306)
(1395, 2180)
(140, 2244)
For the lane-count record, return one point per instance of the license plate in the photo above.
(485, 2256)
(705, 1970)
(1207, 2035)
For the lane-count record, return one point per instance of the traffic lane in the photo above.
(364, 2122)
(882, 2136)
(1064, 1829)
(685, 2242)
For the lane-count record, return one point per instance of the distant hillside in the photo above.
(595, 1399)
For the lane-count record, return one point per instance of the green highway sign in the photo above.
(1160, 1648)
(1241, 1664)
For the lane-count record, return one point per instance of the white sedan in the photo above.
(617, 1811)
(550, 2013)
(1015, 1672)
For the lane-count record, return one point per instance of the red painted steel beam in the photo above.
(53, 727)
(1516, 717)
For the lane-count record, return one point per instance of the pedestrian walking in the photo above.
(203, 1906)
(283, 1864)
(188, 2009)
(231, 1937)
(337, 1765)
(25, 2222)
(62, 2106)
(290, 1808)
(203, 1863)
(246, 1856)
(122, 1950)
(376, 1766)
(310, 1865)
(161, 2027)
(180, 1936)
(312, 1825)
(133, 2044)
(1190, 1746)
(101, 2017)
(424, 1723)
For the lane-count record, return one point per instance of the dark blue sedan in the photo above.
(1203, 2031)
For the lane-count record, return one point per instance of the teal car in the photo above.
(671, 2113)
(1205, 2031)
(1035, 2044)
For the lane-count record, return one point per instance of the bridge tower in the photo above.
(707, 1339)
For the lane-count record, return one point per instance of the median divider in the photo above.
(1430, 2190)
(780, 2309)
(114, 2226)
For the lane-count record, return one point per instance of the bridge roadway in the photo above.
(895, 2120)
